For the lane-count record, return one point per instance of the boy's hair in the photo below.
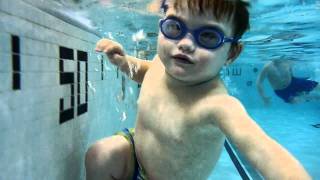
(234, 10)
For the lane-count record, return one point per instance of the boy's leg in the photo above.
(110, 158)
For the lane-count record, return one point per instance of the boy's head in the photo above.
(235, 11)
(198, 37)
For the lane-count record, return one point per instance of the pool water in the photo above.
(279, 29)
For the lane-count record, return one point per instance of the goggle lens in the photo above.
(171, 28)
(208, 37)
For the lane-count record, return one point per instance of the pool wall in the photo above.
(56, 95)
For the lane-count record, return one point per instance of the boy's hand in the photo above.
(113, 50)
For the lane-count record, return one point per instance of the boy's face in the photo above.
(184, 59)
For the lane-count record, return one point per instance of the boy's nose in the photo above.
(187, 44)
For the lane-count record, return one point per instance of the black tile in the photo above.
(15, 44)
(82, 56)
(16, 62)
(66, 53)
(66, 77)
(66, 115)
(83, 108)
(16, 81)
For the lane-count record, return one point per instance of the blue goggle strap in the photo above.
(231, 40)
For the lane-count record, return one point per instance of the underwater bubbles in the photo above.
(138, 36)
(91, 87)
(123, 117)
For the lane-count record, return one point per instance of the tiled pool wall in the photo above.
(240, 79)
(56, 95)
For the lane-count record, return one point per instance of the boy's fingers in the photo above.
(116, 59)
(114, 50)
(98, 50)
(102, 44)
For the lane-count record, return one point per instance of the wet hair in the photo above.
(234, 10)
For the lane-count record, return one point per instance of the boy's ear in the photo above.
(234, 52)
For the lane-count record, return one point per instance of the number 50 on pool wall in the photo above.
(67, 54)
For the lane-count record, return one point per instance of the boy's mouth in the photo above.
(181, 58)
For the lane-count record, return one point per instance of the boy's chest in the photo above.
(173, 112)
(167, 115)
(158, 110)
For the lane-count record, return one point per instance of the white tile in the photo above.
(34, 80)
(67, 102)
(38, 64)
(13, 25)
(34, 47)
(5, 62)
(65, 90)
(5, 114)
(31, 97)
(82, 67)
(70, 66)
(6, 81)
(32, 14)
(5, 42)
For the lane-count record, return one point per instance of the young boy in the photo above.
(184, 110)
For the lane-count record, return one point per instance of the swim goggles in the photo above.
(208, 37)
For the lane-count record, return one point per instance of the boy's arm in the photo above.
(264, 153)
(135, 68)
(259, 84)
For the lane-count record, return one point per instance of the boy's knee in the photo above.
(94, 156)
(102, 156)
(101, 152)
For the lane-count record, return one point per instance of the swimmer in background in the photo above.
(289, 88)
(184, 110)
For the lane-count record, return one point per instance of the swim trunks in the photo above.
(295, 88)
(138, 173)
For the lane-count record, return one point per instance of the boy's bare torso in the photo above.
(175, 136)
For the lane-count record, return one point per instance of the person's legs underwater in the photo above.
(300, 90)
(314, 95)
(110, 158)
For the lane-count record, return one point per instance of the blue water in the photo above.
(279, 29)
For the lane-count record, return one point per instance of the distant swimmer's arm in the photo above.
(259, 83)
(135, 68)
(265, 154)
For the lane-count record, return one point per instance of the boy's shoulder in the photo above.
(224, 99)
(223, 105)
(225, 111)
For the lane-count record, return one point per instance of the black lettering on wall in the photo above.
(16, 69)
(66, 78)
(123, 87)
(117, 72)
(102, 68)
(82, 108)
(236, 71)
